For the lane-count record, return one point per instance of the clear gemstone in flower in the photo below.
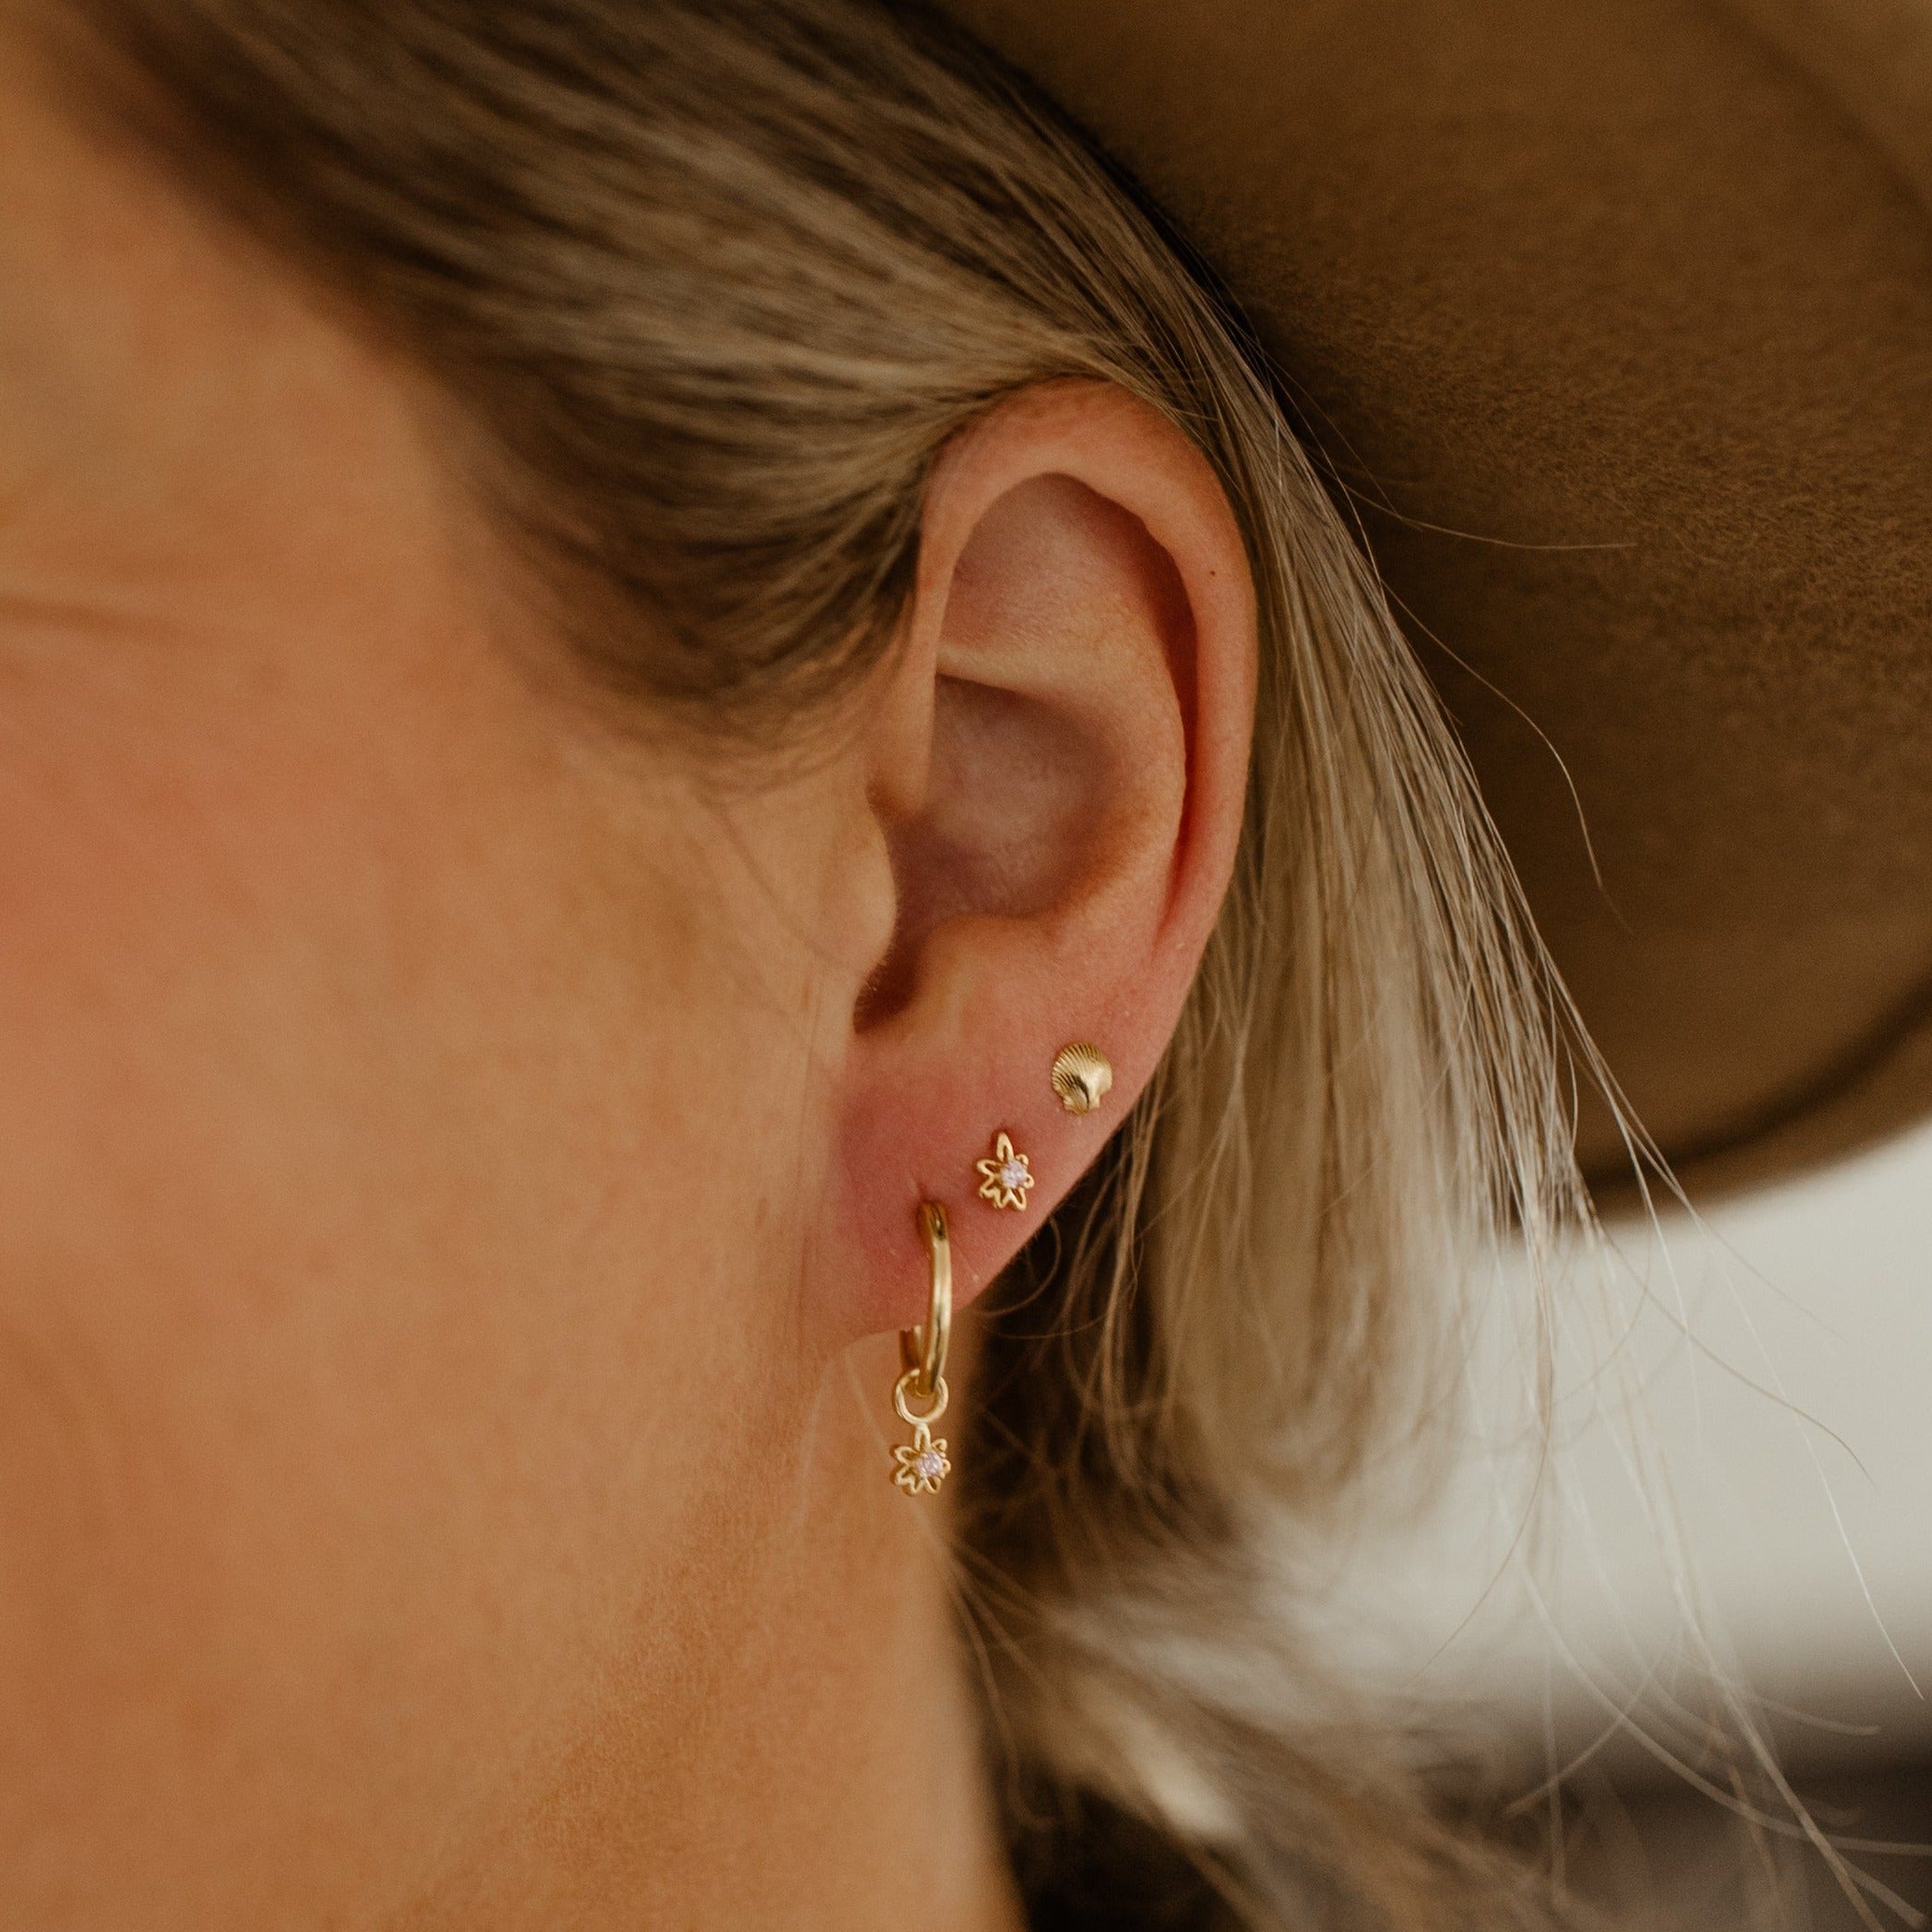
(929, 1464)
(1014, 1174)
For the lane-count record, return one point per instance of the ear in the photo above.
(1058, 768)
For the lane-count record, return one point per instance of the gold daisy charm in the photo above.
(923, 1463)
(1005, 1175)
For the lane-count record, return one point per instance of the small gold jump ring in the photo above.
(906, 1389)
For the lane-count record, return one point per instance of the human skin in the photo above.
(458, 1191)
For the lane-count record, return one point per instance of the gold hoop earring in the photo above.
(922, 1465)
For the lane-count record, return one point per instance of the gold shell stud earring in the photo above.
(1005, 1174)
(1082, 1077)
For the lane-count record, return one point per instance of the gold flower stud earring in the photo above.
(1081, 1075)
(1005, 1174)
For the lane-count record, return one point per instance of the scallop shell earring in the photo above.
(1081, 1075)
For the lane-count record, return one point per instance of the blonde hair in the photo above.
(719, 279)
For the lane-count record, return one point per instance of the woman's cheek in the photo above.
(375, 1227)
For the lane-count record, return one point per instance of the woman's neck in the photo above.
(791, 1742)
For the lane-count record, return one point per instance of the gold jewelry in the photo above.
(922, 1465)
(1005, 1175)
(1081, 1075)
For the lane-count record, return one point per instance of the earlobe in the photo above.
(1062, 821)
